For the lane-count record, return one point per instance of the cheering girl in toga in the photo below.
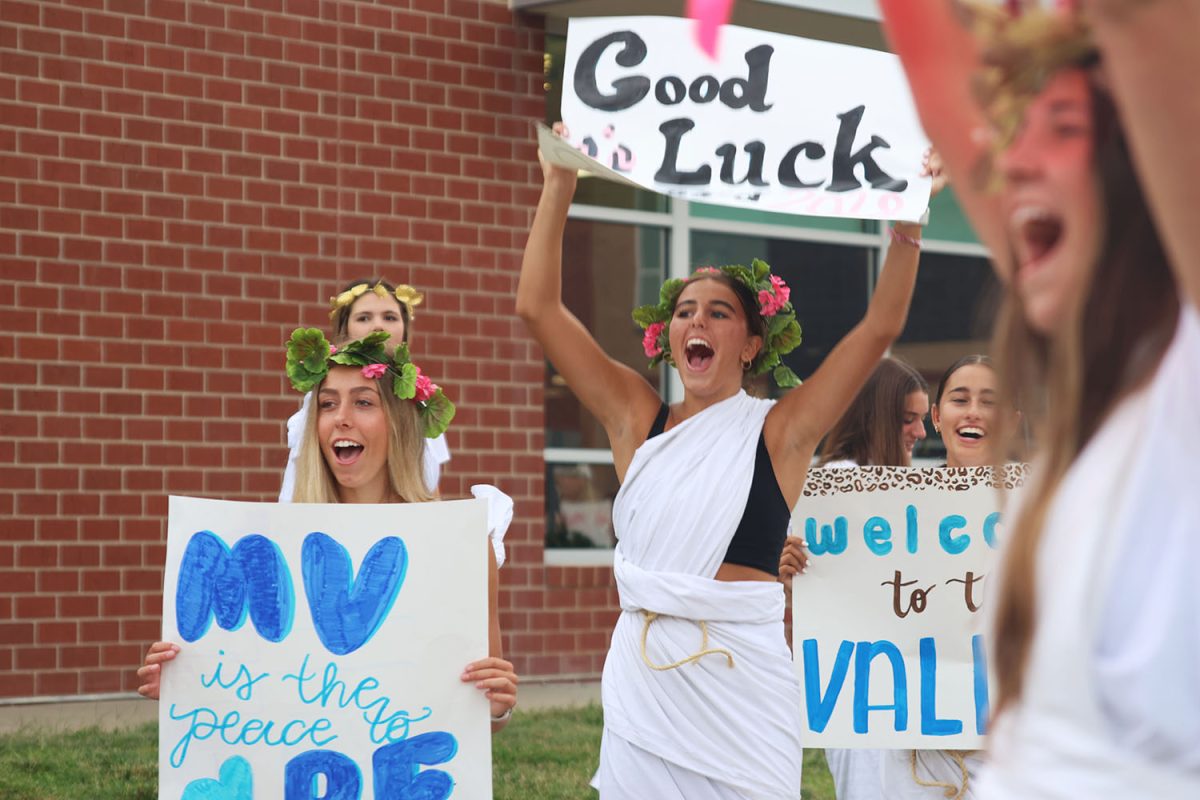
(700, 699)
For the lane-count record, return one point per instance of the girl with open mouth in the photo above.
(969, 413)
(700, 698)
(364, 443)
(1080, 125)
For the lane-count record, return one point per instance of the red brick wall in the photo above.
(182, 182)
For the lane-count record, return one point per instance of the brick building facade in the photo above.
(183, 182)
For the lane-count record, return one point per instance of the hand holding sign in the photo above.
(497, 679)
(150, 672)
(558, 157)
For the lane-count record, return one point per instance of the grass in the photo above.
(542, 754)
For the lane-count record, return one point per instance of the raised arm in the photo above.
(940, 58)
(619, 397)
(797, 423)
(795, 426)
(1151, 59)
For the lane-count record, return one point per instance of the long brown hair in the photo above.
(1069, 383)
(315, 482)
(869, 433)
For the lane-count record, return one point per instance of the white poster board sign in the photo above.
(885, 623)
(321, 649)
(776, 123)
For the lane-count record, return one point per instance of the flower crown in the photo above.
(779, 318)
(407, 295)
(310, 356)
(1021, 52)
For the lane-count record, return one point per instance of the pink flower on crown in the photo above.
(425, 387)
(650, 340)
(332, 349)
(709, 270)
(374, 370)
(772, 303)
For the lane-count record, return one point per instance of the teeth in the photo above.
(972, 431)
(696, 341)
(1026, 214)
(346, 443)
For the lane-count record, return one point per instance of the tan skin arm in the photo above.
(939, 57)
(1151, 61)
(622, 400)
(796, 424)
(493, 675)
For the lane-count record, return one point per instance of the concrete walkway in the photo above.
(112, 712)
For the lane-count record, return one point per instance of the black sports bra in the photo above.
(758, 540)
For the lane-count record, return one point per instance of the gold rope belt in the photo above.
(704, 650)
(952, 792)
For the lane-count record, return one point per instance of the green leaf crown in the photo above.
(783, 333)
(310, 356)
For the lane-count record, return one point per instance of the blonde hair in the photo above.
(315, 482)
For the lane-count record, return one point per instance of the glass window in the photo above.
(579, 500)
(608, 269)
(947, 222)
(707, 211)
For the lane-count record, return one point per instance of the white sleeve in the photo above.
(1147, 655)
(436, 454)
(499, 516)
(295, 437)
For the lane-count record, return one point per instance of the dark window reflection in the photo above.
(579, 500)
(954, 300)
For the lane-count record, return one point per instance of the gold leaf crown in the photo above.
(405, 294)
(1021, 52)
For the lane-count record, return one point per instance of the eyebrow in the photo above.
(710, 302)
(968, 390)
(355, 390)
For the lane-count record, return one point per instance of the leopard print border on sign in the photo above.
(824, 482)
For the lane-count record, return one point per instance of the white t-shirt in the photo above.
(436, 453)
(1110, 706)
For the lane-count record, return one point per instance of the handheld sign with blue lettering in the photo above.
(885, 624)
(320, 651)
(776, 123)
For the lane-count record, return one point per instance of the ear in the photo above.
(934, 415)
(752, 348)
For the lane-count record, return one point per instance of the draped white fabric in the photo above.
(499, 516)
(702, 729)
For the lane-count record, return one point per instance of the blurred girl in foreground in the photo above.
(1096, 646)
